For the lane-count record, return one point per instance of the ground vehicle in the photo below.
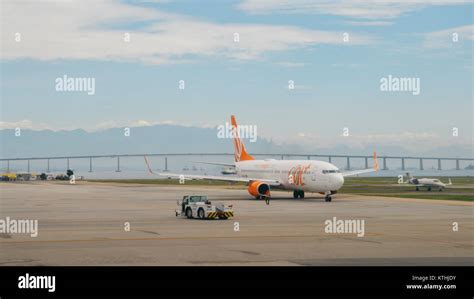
(198, 206)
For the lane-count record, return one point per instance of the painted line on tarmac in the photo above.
(176, 238)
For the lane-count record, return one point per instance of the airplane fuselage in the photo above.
(305, 175)
(424, 182)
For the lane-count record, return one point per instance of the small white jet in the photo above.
(299, 176)
(229, 171)
(427, 183)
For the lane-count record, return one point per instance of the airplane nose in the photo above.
(339, 181)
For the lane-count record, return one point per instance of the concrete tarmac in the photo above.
(86, 224)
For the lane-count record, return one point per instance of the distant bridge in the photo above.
(281, 156)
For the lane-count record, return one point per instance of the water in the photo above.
(135, 168)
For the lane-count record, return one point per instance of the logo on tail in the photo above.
(239, 148)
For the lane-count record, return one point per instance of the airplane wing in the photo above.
(356, 172)
(216, 178)
(215, 163)
(210, 177)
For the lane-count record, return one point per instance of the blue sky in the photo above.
(337, 83)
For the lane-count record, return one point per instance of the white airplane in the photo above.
(299, 176)
(428, 183)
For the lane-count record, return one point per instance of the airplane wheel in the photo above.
(189, 213)
(328, 198)
(429, 188)
(298, 194)
(417, 189)
(440, 189)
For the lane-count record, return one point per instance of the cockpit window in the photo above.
(331, 171)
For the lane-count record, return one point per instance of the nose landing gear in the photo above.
(298, 194)
(327, 196)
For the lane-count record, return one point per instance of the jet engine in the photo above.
(259, 189)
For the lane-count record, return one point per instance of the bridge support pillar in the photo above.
(457, 165)
(330, 159)
(47, 166)
(348, 164)
(90, 164)
(8, 166)
(439, 164)
(403, 163)
(28, 165)
(166, 164)
(118, 165)
(385, 164)
(366, 162)
(67, 164)
(421, 164)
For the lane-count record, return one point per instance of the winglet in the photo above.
(239, 148)
(148, 165)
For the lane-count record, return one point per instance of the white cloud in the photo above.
(373, 9)
(349, 65)
(104, 125)
(24, 124)
(444, 38)
(290, 64)
(413, 141)
(410, 140)
(369, 23)
(110, 124)
(53, 30)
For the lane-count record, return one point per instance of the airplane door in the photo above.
(275, 172)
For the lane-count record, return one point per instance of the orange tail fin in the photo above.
(239, 148)
(376, 163)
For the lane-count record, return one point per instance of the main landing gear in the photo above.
(266, 198)
(298, 194)
(328, 197)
